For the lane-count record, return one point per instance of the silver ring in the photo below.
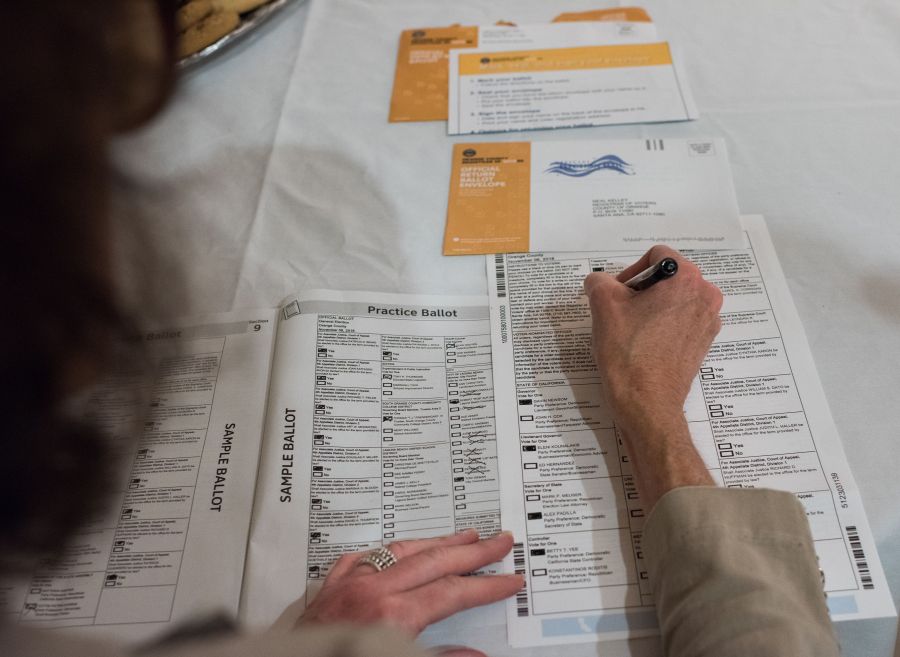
(379, 559)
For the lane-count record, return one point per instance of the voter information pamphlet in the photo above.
(380, 428)
(543, 87)
(421, 76)
(248, 464)
(757, 414)
(559, 196)
(185, 441)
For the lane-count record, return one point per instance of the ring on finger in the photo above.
(379, 559)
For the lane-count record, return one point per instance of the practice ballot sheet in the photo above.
(185, 437)
(757, 414)
(380, 427)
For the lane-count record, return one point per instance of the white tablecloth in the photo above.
(806, 93)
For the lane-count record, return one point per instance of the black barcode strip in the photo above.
(501, 275)
(859, 556)
(519, 565)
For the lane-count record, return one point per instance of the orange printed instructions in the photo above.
(552, 87)
(508, 197)
(420, 82)
(421, 77)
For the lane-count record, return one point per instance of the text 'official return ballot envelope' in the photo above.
(508, 197)
(493, 91)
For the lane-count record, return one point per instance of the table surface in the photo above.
(274, 170)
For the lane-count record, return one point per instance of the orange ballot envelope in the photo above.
(421, 76)
(570, 196)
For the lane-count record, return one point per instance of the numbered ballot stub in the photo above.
(570, 87)
(510, 197)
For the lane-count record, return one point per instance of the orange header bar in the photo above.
(635, 14)
(561, 59)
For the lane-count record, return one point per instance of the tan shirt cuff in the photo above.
(734, 574)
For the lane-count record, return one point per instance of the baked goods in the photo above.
(203, 22)
(207, 31)
(191, 13)
(240, 6)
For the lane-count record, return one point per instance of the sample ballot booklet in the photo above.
(247, 464)
(626, 194)
(757, 414)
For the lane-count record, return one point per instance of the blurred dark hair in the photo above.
(74, 73)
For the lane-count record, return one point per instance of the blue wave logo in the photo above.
(582, 169)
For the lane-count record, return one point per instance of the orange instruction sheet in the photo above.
(421, 75)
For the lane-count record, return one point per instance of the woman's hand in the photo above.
(427, 584)
(649, 345)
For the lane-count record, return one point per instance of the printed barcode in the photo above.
(519, 565)
(501, 275)
(859, 556)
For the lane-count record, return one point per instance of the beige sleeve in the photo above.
(322, 641)
(734, 575)
(312, 641)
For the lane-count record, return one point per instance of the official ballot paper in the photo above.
(619, 194)
(547, 86)
(757, 414)
(420, 80)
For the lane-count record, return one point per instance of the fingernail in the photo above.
(468, 530)
(504, 533)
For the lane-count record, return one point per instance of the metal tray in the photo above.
(249, 23)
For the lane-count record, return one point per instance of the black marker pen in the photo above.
(665, 268)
